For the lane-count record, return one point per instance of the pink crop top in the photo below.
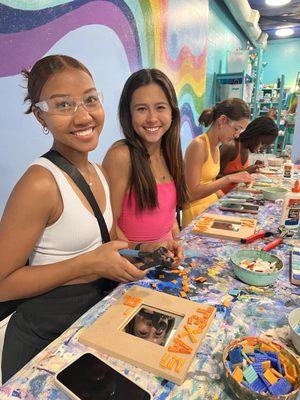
(149, 225)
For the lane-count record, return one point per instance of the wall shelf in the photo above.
(241, 84)
(270, 89)
(268, 102)
(234, 84)
(237, 76)
(278, 104)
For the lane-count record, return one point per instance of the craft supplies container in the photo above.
(275, 162)
(290, 216)
(288, 167)
(243, 393)
(256, 278)
(274, 193)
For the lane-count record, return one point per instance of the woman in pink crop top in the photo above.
(234, 157)
(146, 169)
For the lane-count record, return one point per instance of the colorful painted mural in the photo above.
(113, 38)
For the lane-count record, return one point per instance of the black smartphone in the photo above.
(89, 378)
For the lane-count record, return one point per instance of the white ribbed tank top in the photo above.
(77, 230)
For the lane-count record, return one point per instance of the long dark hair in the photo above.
(234, 108)
(142, 179)
(42, 70)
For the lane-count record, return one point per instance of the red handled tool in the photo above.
(258, 235)
(262, 234)
(273, 244)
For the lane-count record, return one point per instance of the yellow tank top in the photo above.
(208, 174)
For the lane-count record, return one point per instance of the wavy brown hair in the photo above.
(142, 179)
(234, 108)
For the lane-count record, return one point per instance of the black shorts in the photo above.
(41, 319)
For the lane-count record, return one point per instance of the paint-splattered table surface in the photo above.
(257, 311)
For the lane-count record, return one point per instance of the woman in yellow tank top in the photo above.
(226, 120)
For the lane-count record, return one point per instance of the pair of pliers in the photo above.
(263, 234)
(157, 258)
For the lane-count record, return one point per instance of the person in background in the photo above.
(272, 113)
(226, 121)
(146, 168)
(291, 114)
(48, 220)
(235, 156)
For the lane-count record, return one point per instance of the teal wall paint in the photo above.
(223, 35)
(283, 57)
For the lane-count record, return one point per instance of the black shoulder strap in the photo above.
(73, 172)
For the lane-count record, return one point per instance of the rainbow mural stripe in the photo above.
(169, 35)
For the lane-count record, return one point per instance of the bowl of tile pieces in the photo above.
(257, 268)
(261, 369)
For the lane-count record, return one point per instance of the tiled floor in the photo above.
(2, 332)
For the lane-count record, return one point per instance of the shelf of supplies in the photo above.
(269, 88)
(234, 76)
(268, 102)
(232, 84)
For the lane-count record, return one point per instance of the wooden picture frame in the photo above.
(171, 360)
(225, 227)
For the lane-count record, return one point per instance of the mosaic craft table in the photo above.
(257, 311)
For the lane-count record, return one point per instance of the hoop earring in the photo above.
(45, 130)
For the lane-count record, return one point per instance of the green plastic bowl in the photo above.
(274, 193)
(251, 277)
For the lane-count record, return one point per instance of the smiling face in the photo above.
(151, 113)
(79, 131)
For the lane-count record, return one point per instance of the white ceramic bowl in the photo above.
(275, 162)
(294, 320)
(274, 193)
